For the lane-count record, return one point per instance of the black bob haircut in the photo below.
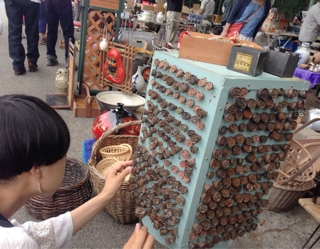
(31, 134)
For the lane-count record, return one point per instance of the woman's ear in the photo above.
(36, 171)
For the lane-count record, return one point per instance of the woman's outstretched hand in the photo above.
(115, 177)
(140, 239)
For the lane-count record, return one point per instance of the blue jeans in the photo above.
(42, 18)
(15, 10)
(59, 10)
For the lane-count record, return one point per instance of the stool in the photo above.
(314, 210)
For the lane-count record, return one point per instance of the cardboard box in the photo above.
(159, 3)
(157, 10)
(186, 10)
(146, 7)
(270, 23)
(246, 60)
(216, 52)
(196, 6)
(130, 4)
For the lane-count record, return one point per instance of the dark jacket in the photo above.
(239, 8)
(174, 5)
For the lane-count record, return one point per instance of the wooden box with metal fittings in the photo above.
(210, 146)
(209, 48)
(247, 60)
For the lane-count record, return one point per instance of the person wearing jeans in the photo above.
(174, 8)
(15, 10)
(58, 11)
(42, 23)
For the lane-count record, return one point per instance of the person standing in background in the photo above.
(58, 11)
(252, 13)
(174, 8)
(77, 10)
(42, 23)
(15, 10)
(226, 9)
(310, 26)
(206, 9)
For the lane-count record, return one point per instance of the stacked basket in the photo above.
(296, 176)
(74, 191)
(107, 150)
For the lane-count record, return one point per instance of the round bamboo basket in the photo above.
(122, 207)
(75, 190)
(122, 152)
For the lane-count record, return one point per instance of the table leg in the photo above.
(311, 238)
(318, 91)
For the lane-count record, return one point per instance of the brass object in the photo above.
(193, 79)
(190, 103)
(241, 103)
(209, 86)
(175, 95)
(235, 92)
(251, 103)
(231, 108)
(192, 92)
(202, 82)
(263, 93)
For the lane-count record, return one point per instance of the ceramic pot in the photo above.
(314, 113)
(303, 52)
(138, 82)
(113, 117)
(160, 17)
(104, 44)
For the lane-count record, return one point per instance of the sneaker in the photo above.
(32, 66)
(18, 72)
(169, 45)
(52, 62)
(67, 65)
(43, 40)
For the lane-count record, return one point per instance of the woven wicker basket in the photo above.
(296, 176)
(122, 207)
(122, 152)
(75, 190)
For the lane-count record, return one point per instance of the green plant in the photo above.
(292, 7)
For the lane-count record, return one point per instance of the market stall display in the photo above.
(211, 144)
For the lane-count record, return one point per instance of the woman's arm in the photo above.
(225, 30)
(114, 178)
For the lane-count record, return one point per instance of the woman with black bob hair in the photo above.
(34, 141)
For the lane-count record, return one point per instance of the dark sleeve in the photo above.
(234, 11)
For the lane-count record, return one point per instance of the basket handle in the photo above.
(305, 125)
(107, 133)
(303, 168)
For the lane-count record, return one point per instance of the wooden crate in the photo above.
(219, 49)
(107, 4)
(85, 105)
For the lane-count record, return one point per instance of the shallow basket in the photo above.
(296, 175)
(75, 190)
(122, 207)
(122, 152)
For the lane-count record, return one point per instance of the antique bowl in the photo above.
(109, 99)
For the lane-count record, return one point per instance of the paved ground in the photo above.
(281, 230)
